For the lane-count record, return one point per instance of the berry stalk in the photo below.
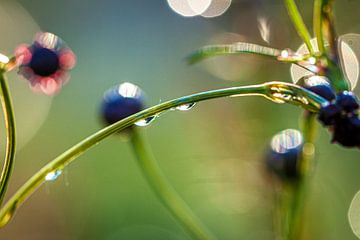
(7, 107)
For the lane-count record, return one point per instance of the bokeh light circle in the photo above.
(354, 214)
(182, 7)
(216, 8)
(30, 109)
(349, 59)
(205, 8)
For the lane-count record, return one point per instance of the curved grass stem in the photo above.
(164, 191)
(10, 136)
(299, 24)
(232, 49)
(278, 92)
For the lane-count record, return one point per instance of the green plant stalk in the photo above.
(317, 25)
(6, 104)
(278, 92)
(240, 48)
(164, 191)
(297, 190)
(232, 49)
(299, 24)
(324, 30)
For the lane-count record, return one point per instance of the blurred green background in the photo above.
(212, 154)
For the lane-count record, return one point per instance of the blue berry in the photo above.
(347, 101)
(121, 102)
(323, 90)
(346, 132)
(329, 114)
(284, 155)
(44, 62)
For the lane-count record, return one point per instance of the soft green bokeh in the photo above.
(212, 154)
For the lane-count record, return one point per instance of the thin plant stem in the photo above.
(232, 49)
(164, 191)
(10, 136)
(324, 30)
(317, 25)
(299, 189)
(240, 48)
(278, 92)
(299, 24)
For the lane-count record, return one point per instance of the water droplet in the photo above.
(52, 176)
(285, 53)
(145, 122)
(312, 60)
(185, 107)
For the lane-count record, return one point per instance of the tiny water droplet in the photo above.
(185, 107)
(145, 122)
(52, 176)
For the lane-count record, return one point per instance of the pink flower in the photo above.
(45, 63)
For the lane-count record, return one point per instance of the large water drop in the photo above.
(145, 122)
(185, 107)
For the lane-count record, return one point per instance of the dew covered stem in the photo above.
(164, 191)
(313, 103)
(7, 108)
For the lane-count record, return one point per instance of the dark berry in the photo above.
(121, 102)
(347, 101)
(323, 90)
(284, 155)
(44, 62)
(346, 132)
(329, 114)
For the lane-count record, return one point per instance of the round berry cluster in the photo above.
(341, 115)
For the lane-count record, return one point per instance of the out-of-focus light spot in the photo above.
(216, 8)
(4, 59)
(286, 140)
(199, 6)
(354, 214)
(231, 68)
(350, 62)
(28, 119)
(182, 7)
(264, 28)
(298, 72)
(205, 8)
(349, 54)
(129, 90)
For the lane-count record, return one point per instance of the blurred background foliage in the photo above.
(212, 154)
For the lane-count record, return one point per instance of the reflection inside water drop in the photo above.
(185, 107)
(145, 122)
(52, 176)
